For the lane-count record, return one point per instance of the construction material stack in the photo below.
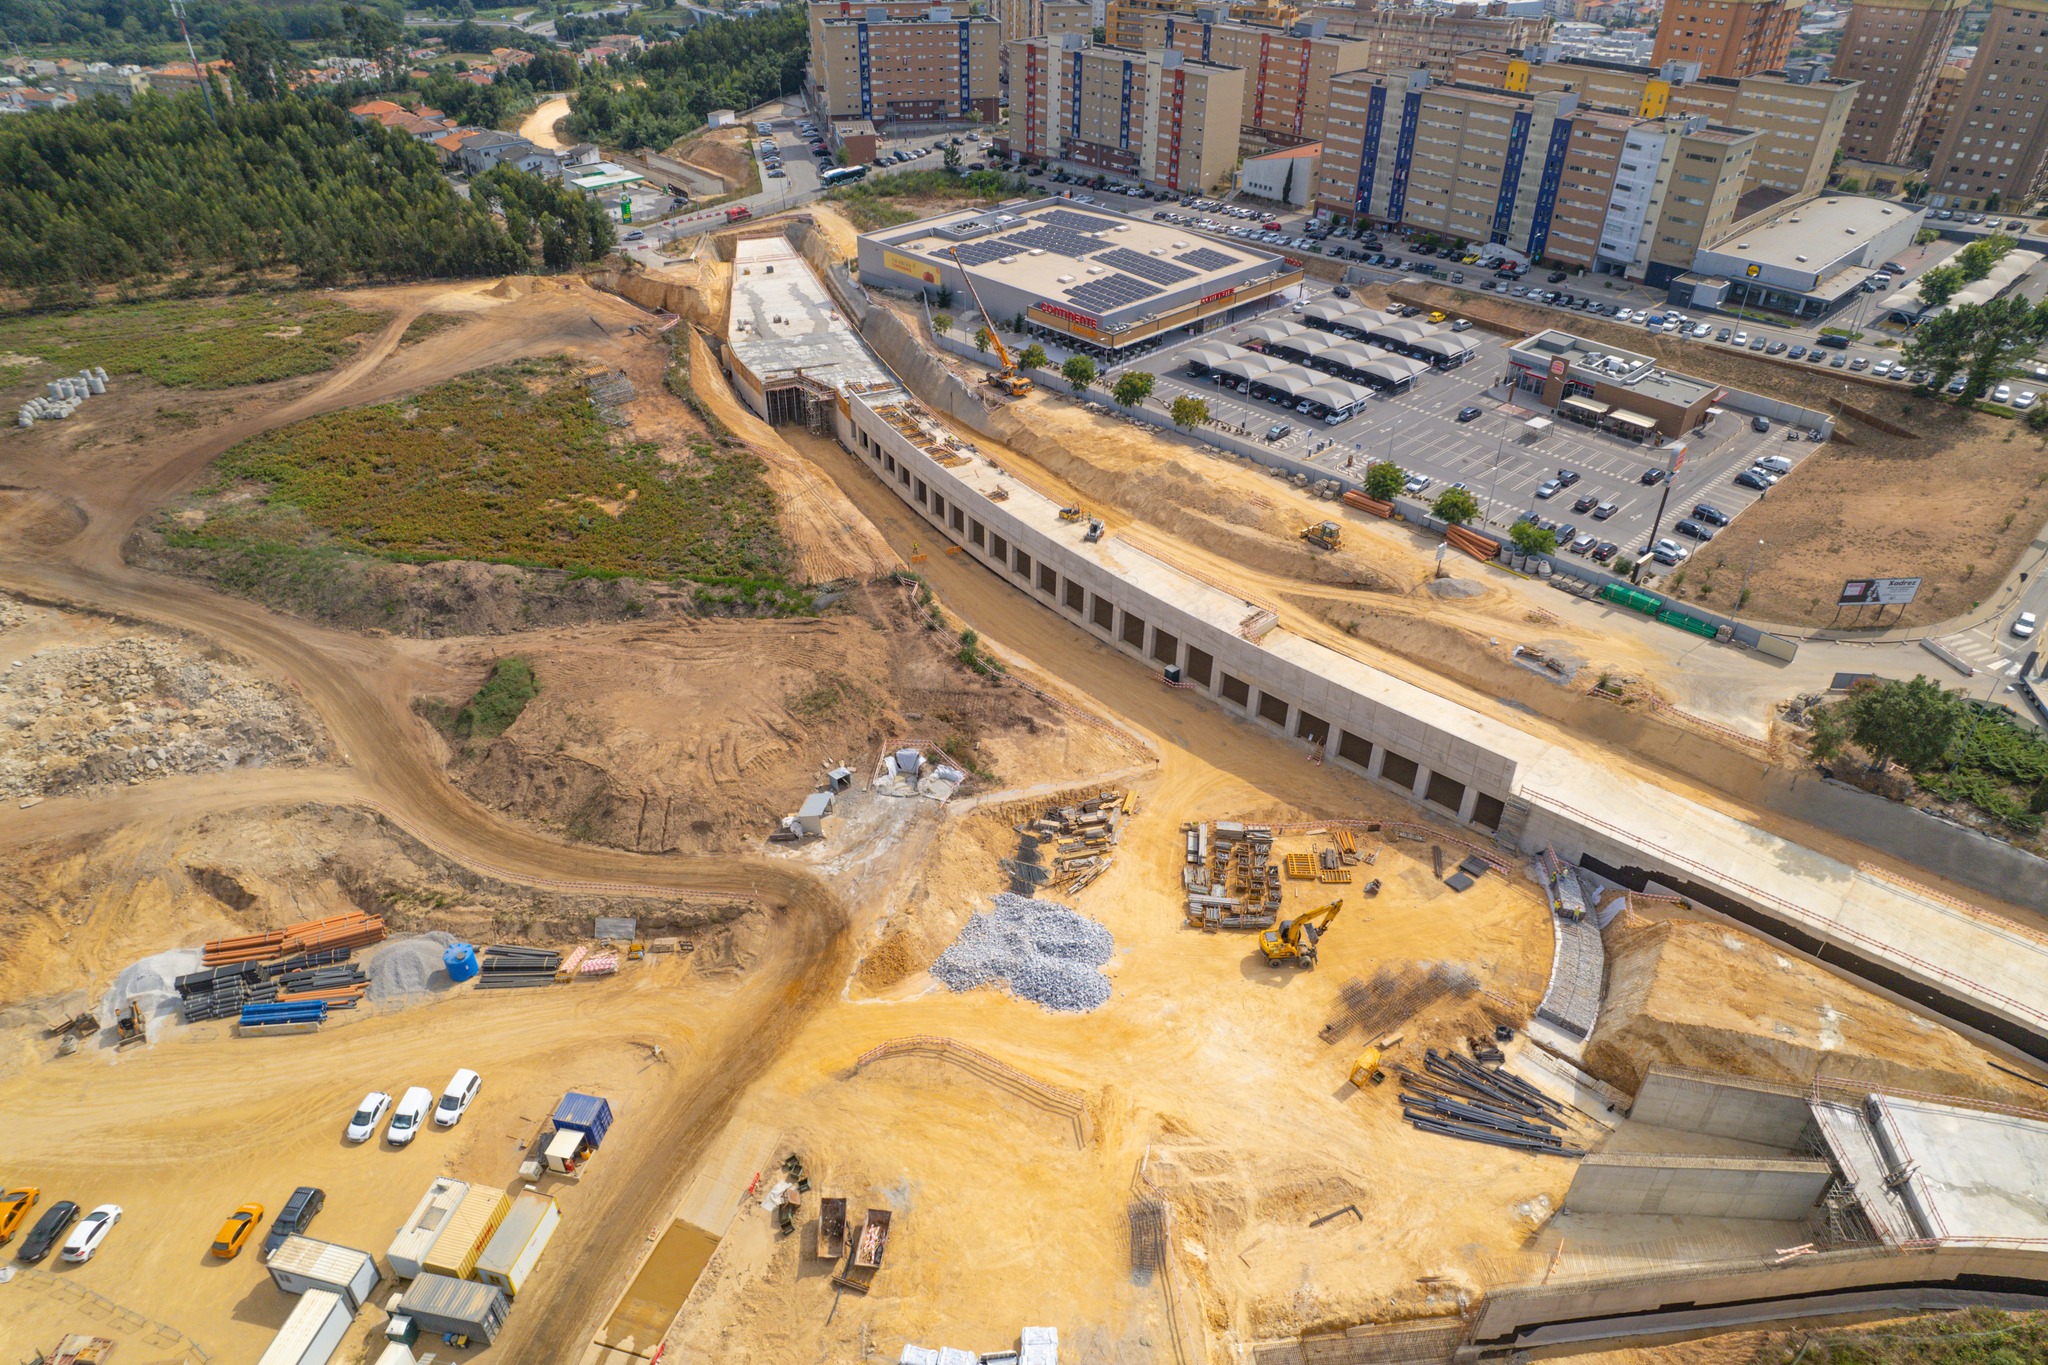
(508, 966)
(1067, 847)
(1460, 1098)
(219, 992)
(1230, 877)
(353, 930)
(1395, 995)
(868, 1248)
(301, 1016)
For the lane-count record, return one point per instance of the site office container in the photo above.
(312, 1334)
(441, 1304)
(429, 1217)
(516, 1246)
(467, 1231)
(302, 1264)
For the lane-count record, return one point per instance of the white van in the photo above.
(1777, 464)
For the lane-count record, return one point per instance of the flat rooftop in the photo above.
(1976, 1175)
(1084, 256)
(1808, 234)
(784, 323)
(1591, 361)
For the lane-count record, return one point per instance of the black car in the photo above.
(1653, 477)
(1342, 291)
(1605, 551)
(1467, 414)
(48, 1232)
(1710, 514)
(1411, 311)
(1693, 530)
(1567, 477)
(1587, 502)
(297, 1216)
(1556, 277)
(1749, 478)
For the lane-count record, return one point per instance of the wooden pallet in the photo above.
(1301, 867)
(1335, 876)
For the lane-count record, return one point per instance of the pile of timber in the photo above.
(1472, 543)
(353, 930)
(1460, 1098)
(509, 966)
(1066, 848)
(221, 992)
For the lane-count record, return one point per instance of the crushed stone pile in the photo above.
(152, 984)
(405, 970)
(79, 717)
(1037, 950)
(1454, 587)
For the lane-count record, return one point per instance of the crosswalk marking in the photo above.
(1980, 652)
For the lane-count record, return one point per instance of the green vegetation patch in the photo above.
(867, 205)
(199, 343)
(499, 701)
(510, 466)
(1977, 1337)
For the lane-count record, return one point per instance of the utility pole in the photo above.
(198, 73)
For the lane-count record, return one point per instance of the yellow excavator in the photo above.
(1007, 379)
(1327, 535)
(1294, 940)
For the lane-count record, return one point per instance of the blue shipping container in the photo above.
(590, 1115)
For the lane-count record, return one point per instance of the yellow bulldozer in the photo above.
(1327, 535)
(1294, 940)
(1073, 513)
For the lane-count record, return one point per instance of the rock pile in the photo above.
(1037, 950)
(139, 708)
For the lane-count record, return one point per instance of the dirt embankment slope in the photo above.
(1928, 489)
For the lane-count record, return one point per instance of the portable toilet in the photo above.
(460, 960)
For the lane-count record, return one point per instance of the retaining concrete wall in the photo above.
(1709, 1187)
(1751, 1111)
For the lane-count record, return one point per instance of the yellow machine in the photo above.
(1294, 940)
(1007, 379)
(1073, 513)
(1326, 535)
(1366, 1070)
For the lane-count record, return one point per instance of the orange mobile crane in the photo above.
(1007, 379)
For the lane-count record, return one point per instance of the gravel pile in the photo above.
(152, 984)
(405, 970)
(1036, 950)
(1454, 587)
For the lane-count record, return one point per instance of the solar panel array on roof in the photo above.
(1207, 258)
(1060, 241)
(1111, 292)
(981, 253)
(1079, 222)
(1145, 267)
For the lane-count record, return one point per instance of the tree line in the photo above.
(104, 194)
(129, 30)
(664, 93)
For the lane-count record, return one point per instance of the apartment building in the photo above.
(1728, 38)
(1430, 39)
(1123, 18)
(1032, 18)
(1799, 114)
(1941, 111)
(1155, 114)
(1896, 50)
(899, 63)
(1543, 174)
(1993, 149)
(1287, 70)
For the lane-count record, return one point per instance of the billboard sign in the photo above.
(1878, 592)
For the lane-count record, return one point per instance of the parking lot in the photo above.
(1419, 431)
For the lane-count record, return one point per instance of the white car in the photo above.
(363, 1126)
(410, 1114)
(2002, 394)
(1739, 339)
(462, 1088)
(2023, 625)
(84, 1241)
(2025, 398)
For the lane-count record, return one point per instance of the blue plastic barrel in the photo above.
(460, 960)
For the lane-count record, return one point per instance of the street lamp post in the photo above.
(1494, 482)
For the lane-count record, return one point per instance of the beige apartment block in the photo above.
(896, 63)
(1941, 111)
(1122, 26)
(1153, 115)
(1895, 50)
(1429, 40)
(1288, 70)
(1993, 149)
(1035, 18)
(1727, 37)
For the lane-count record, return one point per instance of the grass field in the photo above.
(509, 466)
(885, 201)
(197, 343)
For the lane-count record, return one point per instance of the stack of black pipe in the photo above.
(508, 966)
(220, 992)
(1459, 1098)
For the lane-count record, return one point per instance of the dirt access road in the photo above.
(360, 689)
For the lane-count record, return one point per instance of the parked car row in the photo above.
(85, 1237)
(410, 1114)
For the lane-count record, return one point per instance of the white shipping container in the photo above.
(515, 1248)
(397, 1353)
(301, 1264)
(410, 1247)
(312, 1334)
